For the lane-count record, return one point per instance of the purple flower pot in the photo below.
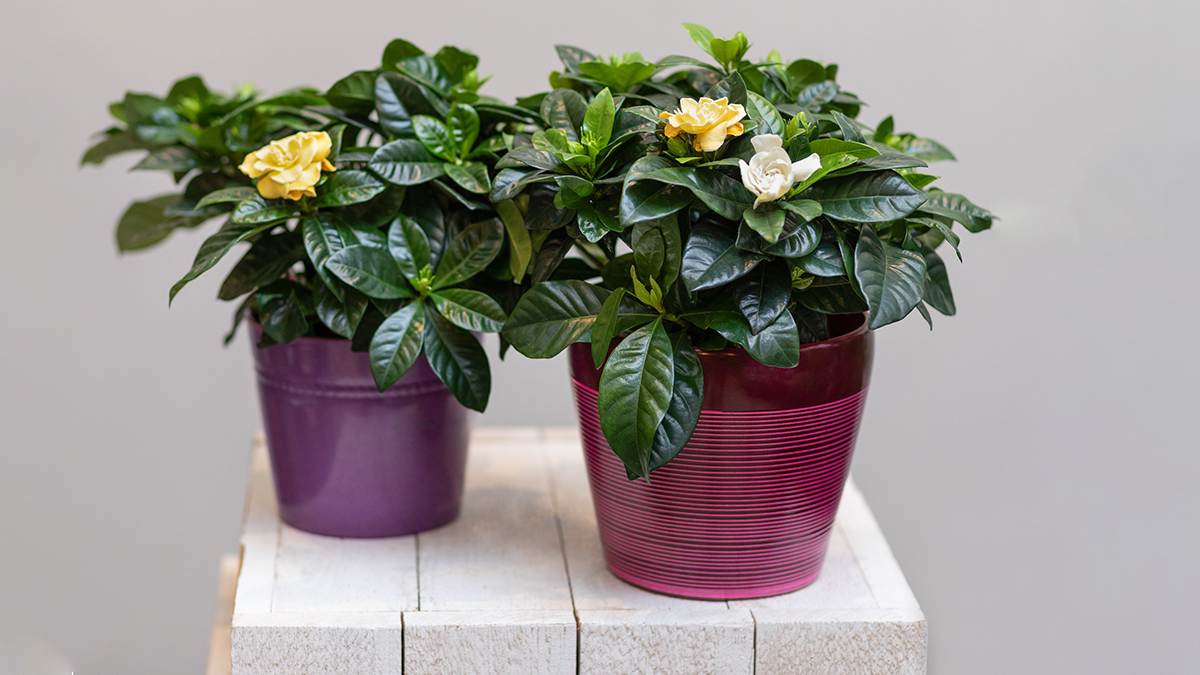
(747, 507)
(350, 461)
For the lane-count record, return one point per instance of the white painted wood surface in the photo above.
(518, 586)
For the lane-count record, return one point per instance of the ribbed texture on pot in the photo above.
(744, 511)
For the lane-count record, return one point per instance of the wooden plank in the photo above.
(503, 553)
(840, 642)
(494, 595)
(218, 642)
(314, 573)
(333, 643)
(874, 556)
(529, 642)
(681, 641)
(260, 536)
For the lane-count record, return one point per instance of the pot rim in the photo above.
(857, 333)
(253, 321)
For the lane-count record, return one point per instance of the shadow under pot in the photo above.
(746, 509)
(349, 461)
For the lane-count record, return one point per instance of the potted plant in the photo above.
(737, 235)
(374, 261)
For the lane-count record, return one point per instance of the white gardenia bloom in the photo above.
(771, 172)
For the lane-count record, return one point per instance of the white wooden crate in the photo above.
(518, 585)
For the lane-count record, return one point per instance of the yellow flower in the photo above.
(291, 166)
(708, 120)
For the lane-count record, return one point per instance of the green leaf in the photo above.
(471, 310)
(145, 223)
(687, 396)
(464, 127)
(777, 345)
(834, 299)
(564, 109)
(268, 259)
(849, 128)
(635, 391)
(875, 197)
(660, 234)
(397, 50)
(370, 270)
(711, 257)
(924, 148)
(472, 176)
(469, 253)
(397, 344)
(340, 316)
(719, 192)
(798, 239)
(824, 261)
(701, 36)
(409, 246)
(833, 146)
(813, 96)
(920, 180)
(354, 93)
(885, 129)
(892, 279)
(732, 87)
(527, 155)
(650, 199)
(552, 315)
(255, 211)
(763, 294)
(170, 158)
(456, 62)
(571, 57)
(520, 245)
(281, 316)
(214, 248)
(435, 136)
(605, 328)
(348, 187)
(803, 72)
(459, 360)
(113, 145)
(406, 162)
(805, 208)
(768, 222)
(958, 208)
(937, 283)
(768, 118)
(233, 194)
(598, 120)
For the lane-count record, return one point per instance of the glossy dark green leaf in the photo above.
(812, 325)
(348, 187)
(170, 158)
(777, 345)
(926, 149)
(145, 223)
(605, 328)
(885, 129)
(598, 120)
(835, 146)
(456, 62)
(850, 129)
(409, 246)
(635, 392)
(571, 57)
(281, 317)
(958, 208)
(824, 261)
(937, 283)
(763, 294)
(406, 162)
(113, 145)
(354, 93)
(397, 50)
(268, 259)
(564, 109)
(711, 257)
(427, 72)
(650, 199)
(397, 344)
(511, 182)
(767, 221)
(468, 309)
(233, 194)
(435, 136)
(889, 160)
(472, 177)
(550, 255)
(527, 155)
(700, 35)
(813, 96)
(833, 299)
(469, 253)
(803, 72)
(340, 315)
(520, 244)
(719, 192)
(257, 211)
(687, 395)
(732, 87)
(660, 234)
(370, 270)
(798, 239)
(892, 279)
(214, 248)
(459, 361)
(542, 214)
(464, 127)
(874, 197)
(552, 315)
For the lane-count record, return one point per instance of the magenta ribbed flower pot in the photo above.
(350, 461)
(747, 507)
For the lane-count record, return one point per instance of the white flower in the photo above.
(771, 172)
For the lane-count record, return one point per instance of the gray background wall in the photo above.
(1033, 461)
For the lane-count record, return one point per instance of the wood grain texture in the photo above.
(260, 536)
(335, 643)
(872, 553)
(841, 642)
(712, 641)
(327, 574)
(521, 642)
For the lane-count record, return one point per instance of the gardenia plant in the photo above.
(751, 202)
(364, 207)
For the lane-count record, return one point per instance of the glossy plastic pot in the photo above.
(349, 461)
(747, 507)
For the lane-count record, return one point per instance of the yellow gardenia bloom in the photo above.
(707, 120)
(291, 166)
